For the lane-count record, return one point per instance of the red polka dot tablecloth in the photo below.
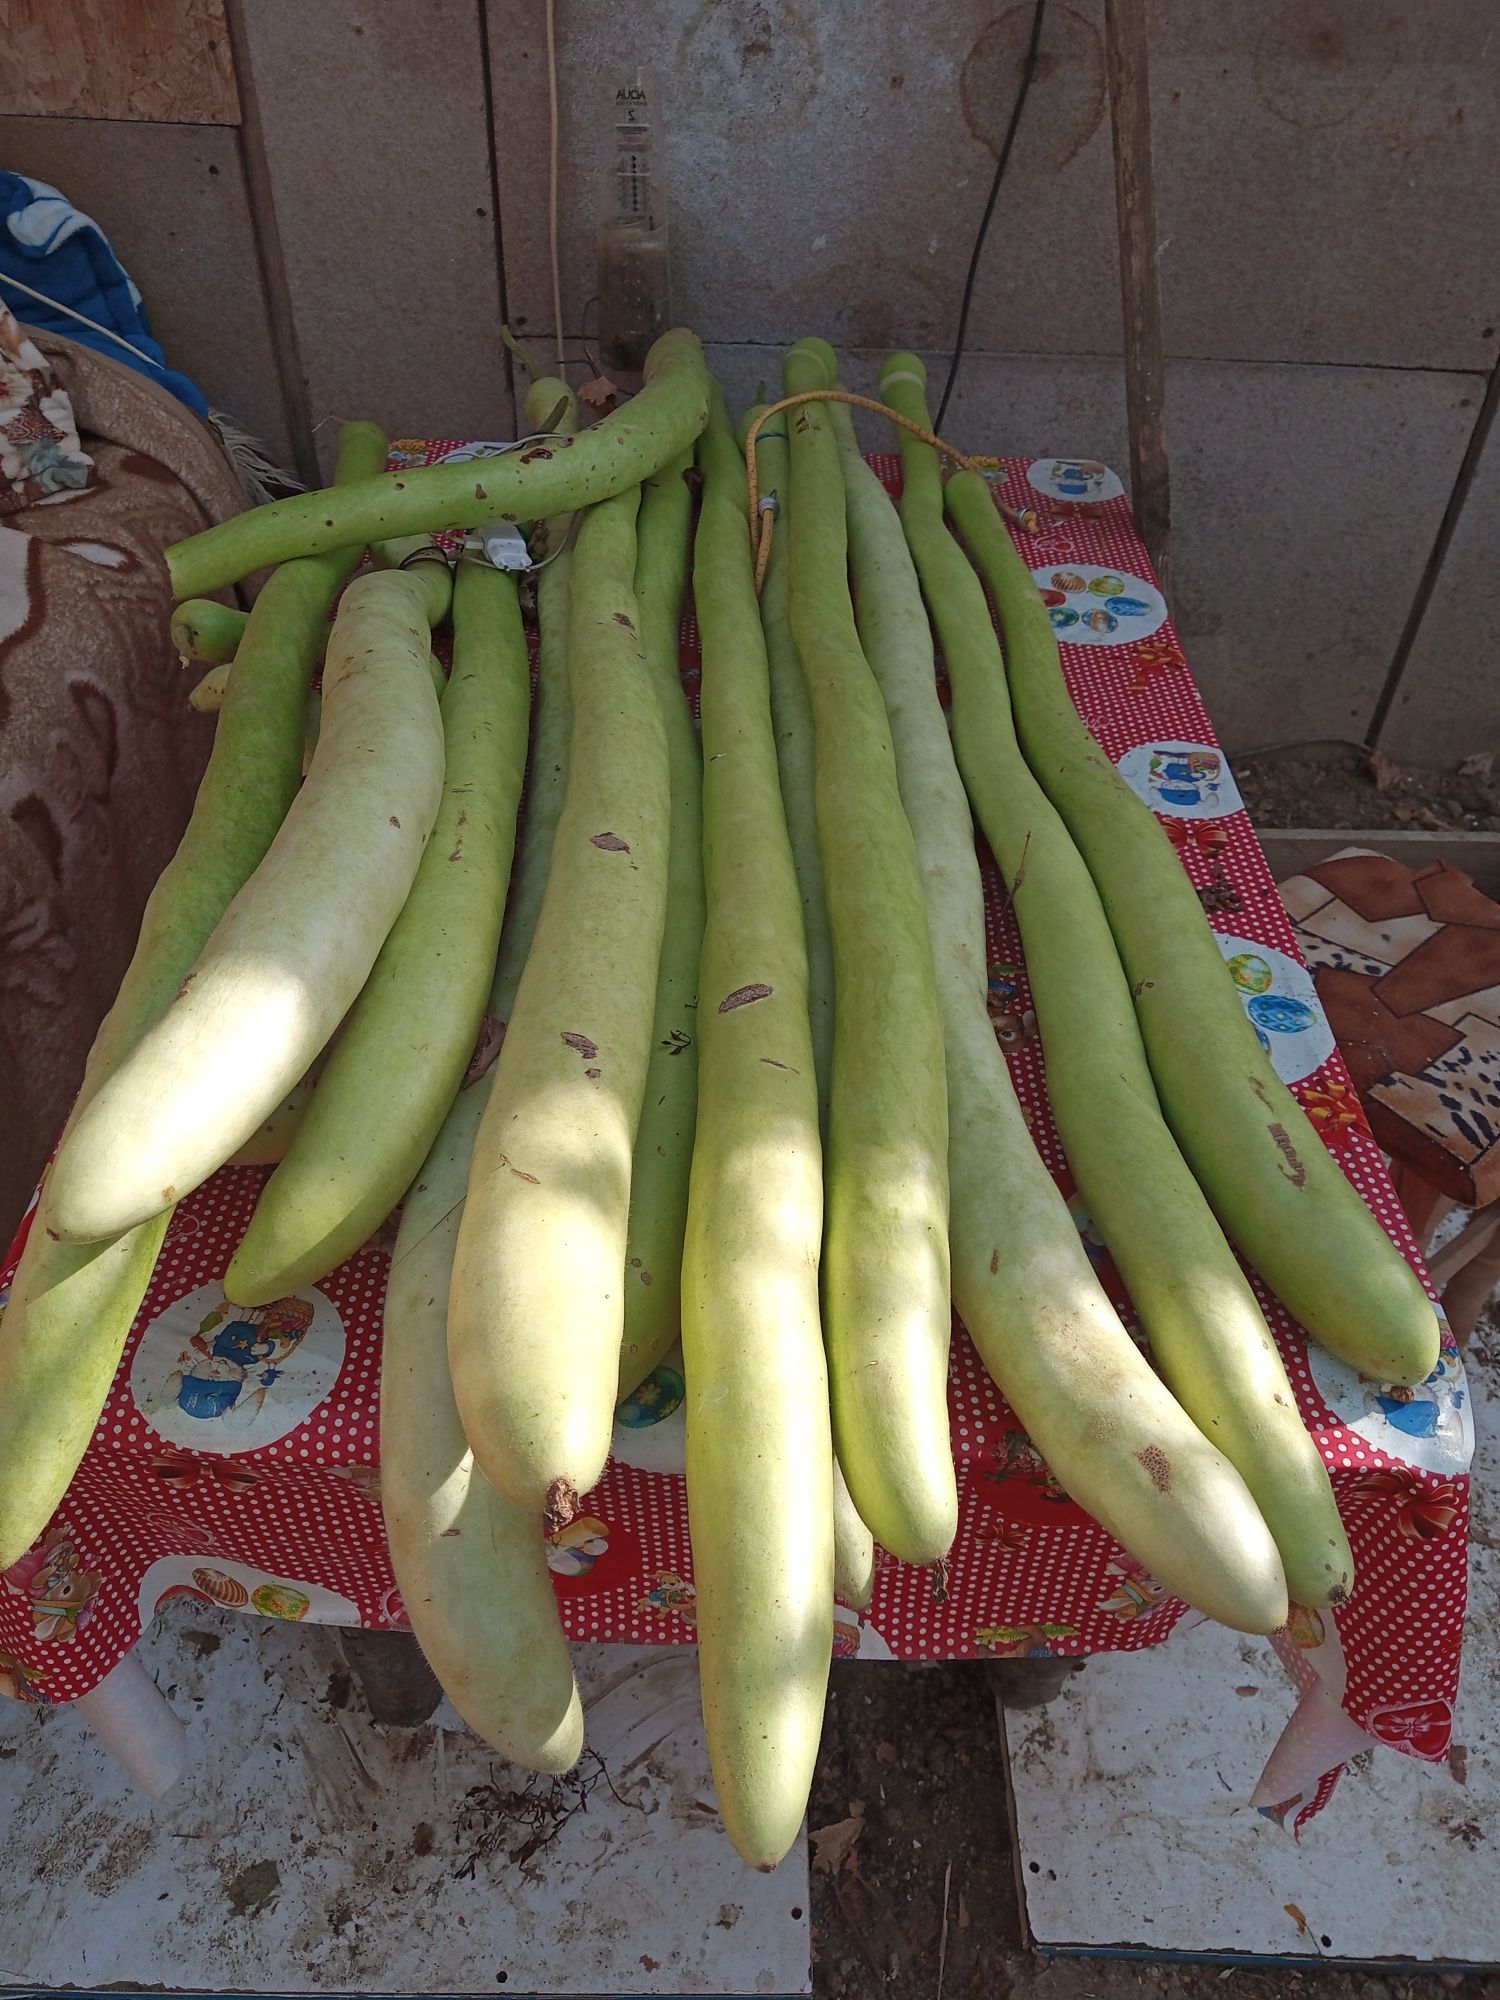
(236, 1459)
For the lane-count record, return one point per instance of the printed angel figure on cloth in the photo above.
(1073, 484)
(671, 1592)
(1078, 478)
(214, 1377)
(61, 1591)
(237, 1356)
(1185, 777)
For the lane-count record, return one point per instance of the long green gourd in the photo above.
(1093, 1406)
(402, 1052)
(206, 630)
(208, 698)
(759, 1447)
(664, 1142)
(72, 1305)
(1274, 1185)
(289, 955)
(207, 695)
(470, 1565)
(853, 1548)
(550, 405)
(886, 1311)
(1206, 1328)
(551, 476)
(791, 715)
(552, 723)
(792, 720)
(536, 1308)
(269, 1143)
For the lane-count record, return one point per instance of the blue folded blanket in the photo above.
(47, 244)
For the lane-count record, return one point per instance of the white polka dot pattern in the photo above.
(1029, 1572)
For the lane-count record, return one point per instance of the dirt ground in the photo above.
(910, 1792)
(1340, 788)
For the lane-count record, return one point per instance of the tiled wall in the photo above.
(1330, 247)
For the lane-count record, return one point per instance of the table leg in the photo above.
(1424, 1204)
(1469, 1288)
(399, 1687)
(134, 1721)
(1467, 1269)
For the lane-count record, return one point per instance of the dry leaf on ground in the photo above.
(833, 1845)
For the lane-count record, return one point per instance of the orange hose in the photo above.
(763, 520)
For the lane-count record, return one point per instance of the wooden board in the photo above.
(1290, 850)
(166, 60)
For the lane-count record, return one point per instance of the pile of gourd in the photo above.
(746, 1087)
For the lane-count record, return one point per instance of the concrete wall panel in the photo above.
(828, 166)
(1326, 182)
(1305, 502)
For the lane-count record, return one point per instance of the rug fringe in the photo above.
(259, 474)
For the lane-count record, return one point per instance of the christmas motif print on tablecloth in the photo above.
(1189, 781)
(239, 1587)
(1281, 1004)
(1075, 482)
(57, 1589)
(1099, 607)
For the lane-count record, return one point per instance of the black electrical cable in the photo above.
(1028, 71)
(583, 334)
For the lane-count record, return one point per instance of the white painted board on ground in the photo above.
(308, 1850)
(1131, 1794)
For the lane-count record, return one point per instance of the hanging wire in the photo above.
(552, 142)
(1028, 72)
(83, 320)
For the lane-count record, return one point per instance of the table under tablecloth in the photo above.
(236, 1460)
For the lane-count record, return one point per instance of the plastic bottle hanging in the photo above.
(635, 293)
